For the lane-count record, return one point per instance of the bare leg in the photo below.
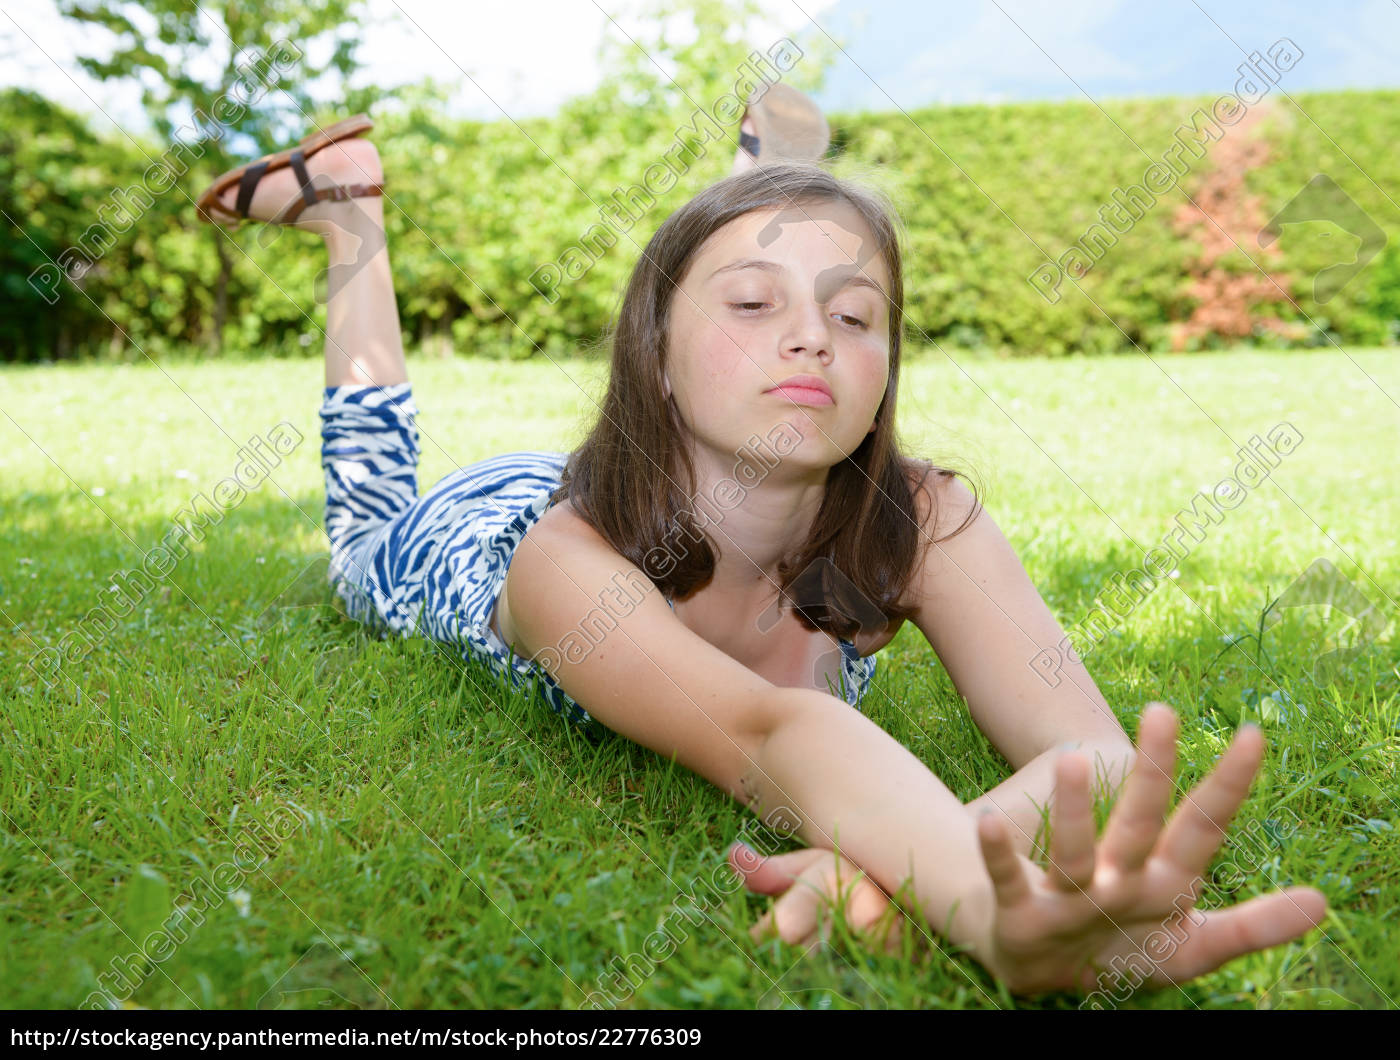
(363, 342)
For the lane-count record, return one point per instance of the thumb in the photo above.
(773, 874)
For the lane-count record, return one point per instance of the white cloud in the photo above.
(523, 58)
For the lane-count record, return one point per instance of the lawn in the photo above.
(379, 823)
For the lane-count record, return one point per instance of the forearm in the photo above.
(1024, 797)
(836, 779)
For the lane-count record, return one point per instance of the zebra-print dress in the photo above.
(434, 565)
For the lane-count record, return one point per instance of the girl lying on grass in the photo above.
(735, 539)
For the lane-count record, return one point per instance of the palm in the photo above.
(1126, 903)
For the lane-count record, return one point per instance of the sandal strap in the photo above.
(297, 161)
(251, 176)
(749, 142)
(341, 192)
(333, 192)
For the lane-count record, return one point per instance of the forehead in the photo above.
(809, 237)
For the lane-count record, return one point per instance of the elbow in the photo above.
(778, 712)
(764, 714)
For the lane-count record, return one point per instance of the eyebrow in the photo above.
(858, 280)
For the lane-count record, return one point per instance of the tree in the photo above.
(674, 55)
(223, 80)
(51, 165)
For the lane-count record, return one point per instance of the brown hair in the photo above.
(619, 479)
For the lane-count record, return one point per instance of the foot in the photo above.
(742, 159)
(351, 161)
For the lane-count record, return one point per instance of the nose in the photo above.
(809, 331)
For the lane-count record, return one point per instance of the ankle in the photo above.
(351, 228)
(357, 254)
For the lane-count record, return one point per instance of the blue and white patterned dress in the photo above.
(434, 565)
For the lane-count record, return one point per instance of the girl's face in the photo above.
(772, 295)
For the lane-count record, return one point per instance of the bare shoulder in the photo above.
(942, 499)
(560, 535)
(563, 518)
(976, 605)
(946, 509)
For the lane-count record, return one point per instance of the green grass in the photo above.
(455, 843)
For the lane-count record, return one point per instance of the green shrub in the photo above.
(987, 194)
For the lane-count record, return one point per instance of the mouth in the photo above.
(804, 390)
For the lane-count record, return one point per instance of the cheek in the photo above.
(700, 350)
(876, 369)
(717, 358)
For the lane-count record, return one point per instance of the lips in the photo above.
(805, 390)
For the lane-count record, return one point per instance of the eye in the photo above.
(856, 321)
(747, 305)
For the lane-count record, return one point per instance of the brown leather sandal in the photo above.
(788, 124)
(247, 177)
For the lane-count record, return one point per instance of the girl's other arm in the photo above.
(992, 631)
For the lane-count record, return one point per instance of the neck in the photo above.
(757, 513)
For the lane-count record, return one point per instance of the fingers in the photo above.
(1136, 820)
(1071, 826)
(1197, 828)
(1009, 881)
(775, 874)
(803, 912)
(1229, 933)
(793, 918)
(867, 905)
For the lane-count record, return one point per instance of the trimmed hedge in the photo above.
(485, 216)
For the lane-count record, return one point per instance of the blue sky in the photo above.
(525, 57)
(984, 51)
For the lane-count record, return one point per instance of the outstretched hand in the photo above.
(1125, 904)
(808, 884)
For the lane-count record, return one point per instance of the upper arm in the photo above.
(608, 637)
(987, 622)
